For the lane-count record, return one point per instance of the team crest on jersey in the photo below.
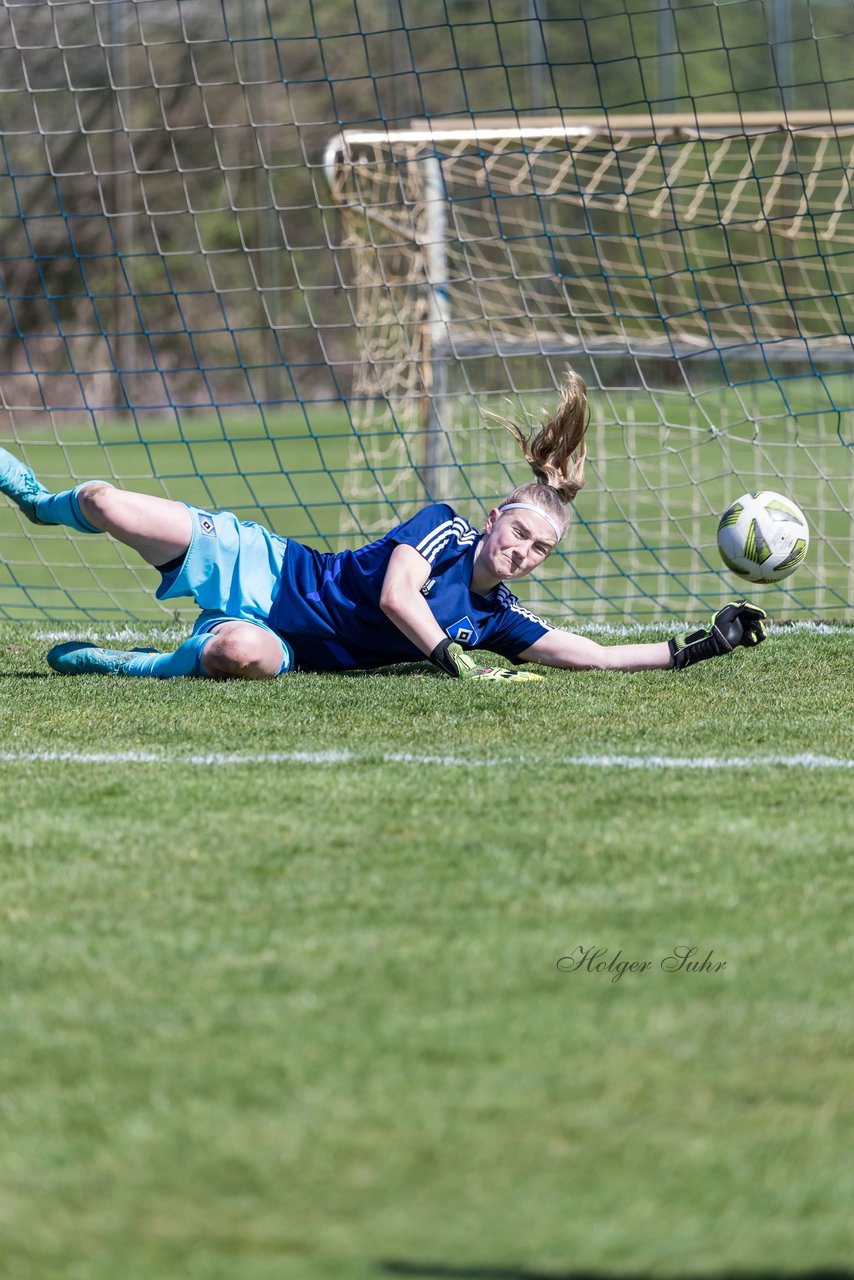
(463, 631)
(428, 586)
(207, 525)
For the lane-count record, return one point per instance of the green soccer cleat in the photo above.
(81, 658)
(19, 483)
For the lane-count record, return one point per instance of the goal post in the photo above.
(694, 268)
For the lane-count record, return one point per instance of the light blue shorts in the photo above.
(231, 569)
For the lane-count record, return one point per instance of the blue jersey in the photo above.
(327, 606)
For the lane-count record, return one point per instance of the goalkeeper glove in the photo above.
(736, 624)
(454, 661)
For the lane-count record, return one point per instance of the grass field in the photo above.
(299, 1013)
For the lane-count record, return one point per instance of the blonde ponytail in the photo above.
(556, 453)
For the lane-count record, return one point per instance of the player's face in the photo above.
(514, 543)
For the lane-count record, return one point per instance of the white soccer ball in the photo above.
(763, 537)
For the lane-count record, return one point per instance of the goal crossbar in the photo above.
(658, 126)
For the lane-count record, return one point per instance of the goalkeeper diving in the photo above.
(433, 588)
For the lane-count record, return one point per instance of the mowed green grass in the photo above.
(306, 1020)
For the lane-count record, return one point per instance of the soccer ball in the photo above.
(763, 537)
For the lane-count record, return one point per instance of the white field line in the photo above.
(233, 759)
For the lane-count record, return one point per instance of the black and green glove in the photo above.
(736, 624)
(452, 658)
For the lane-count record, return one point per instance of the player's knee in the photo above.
(242, 652)
(99, 502)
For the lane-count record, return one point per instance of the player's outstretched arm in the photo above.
(577, 653)
(736, 624)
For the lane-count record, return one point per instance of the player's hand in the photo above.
(736, 624)
(452, 658)
(740, 624)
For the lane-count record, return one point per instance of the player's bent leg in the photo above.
(157, 528)
(243, 651)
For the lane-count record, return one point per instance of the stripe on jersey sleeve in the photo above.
(532, 617)
(437, 539)
(507, 598)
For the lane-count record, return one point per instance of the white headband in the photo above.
(529, 506)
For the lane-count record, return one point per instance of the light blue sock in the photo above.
(64, 508)
(185, 661)
(76, 657)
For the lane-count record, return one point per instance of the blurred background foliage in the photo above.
(222, 112)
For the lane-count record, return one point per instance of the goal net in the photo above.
(697, 270)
